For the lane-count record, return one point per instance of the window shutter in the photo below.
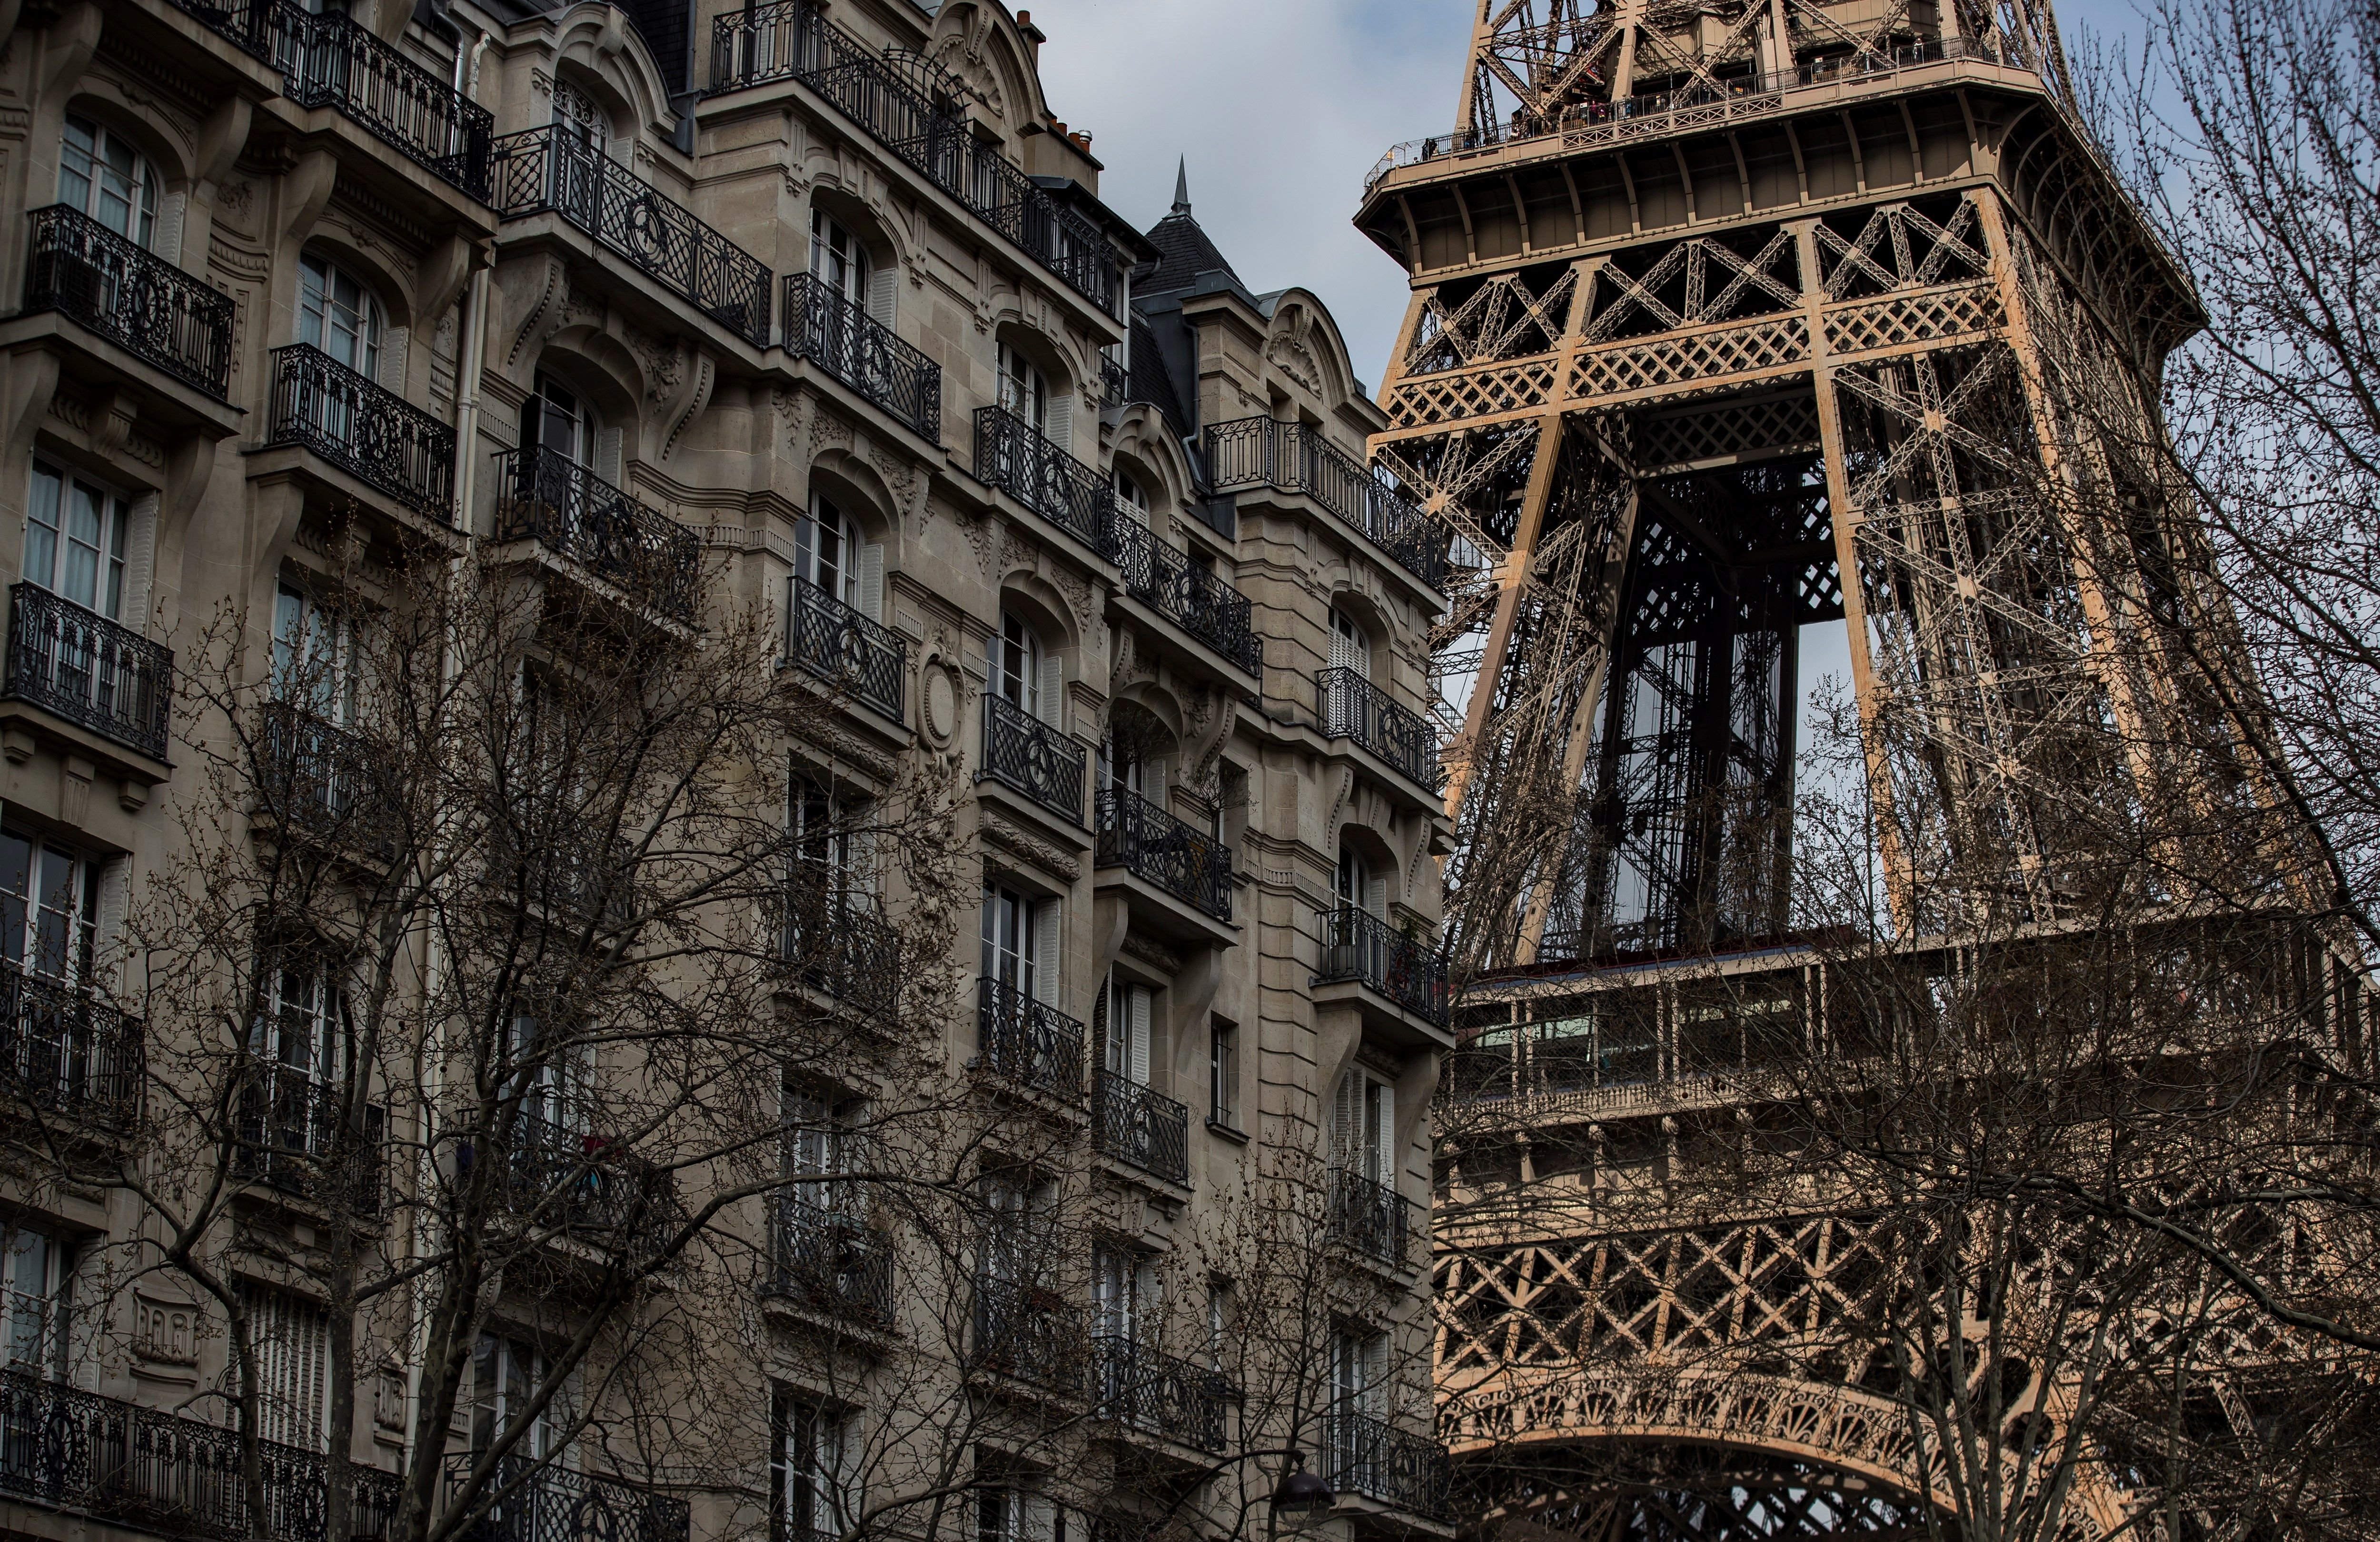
(1052, 691)
(1376, 1375)
(115, 895)
(1060, 431)
(1344, 1118)
(1137, 1068)
(607, 455)
(167, 238)
(292, 1340)
(1047, 931)
(881, 290)
(871, 581)
(805, 538)
(1378, 1123)
(1376, 896)
(1152, 778)
(396, 351)
(139, 562)
(1040, 1518)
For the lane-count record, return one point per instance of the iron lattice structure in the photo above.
(1729, 317)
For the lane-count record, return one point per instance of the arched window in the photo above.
(1131, 496)
(837, 260)
(830, 553)
(1350, 646)
(578, 118)
(1023, 393)
(1022, 666)
(337, 314)
(102, 176)
(558, 418)
(76, 533)
(1358, 889)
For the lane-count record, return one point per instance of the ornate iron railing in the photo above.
(830, 1260)
(373, 434)
(580, 1182)
(1372, 1217)
(1011, 455)
(61, 1049)
(1150, 844)
(1184, 593)
(146, 1469)
(1028, 1041)
(578, 514)
(1351, 707)
(88, 669)
(325, 779)
(838, 945)
(133, 298)
(549, 170)
(1358, 945)
(1029, 1332)
(912, 108)
(844, 648)
(1163, 1394)
(1292, 457)
(1379, 1462)
(1115, 380)
(330, 60)
(247, 23)
(291, 1136)
(862, 352)
(1141, 1126)
(536, 1501)
(1023, 752)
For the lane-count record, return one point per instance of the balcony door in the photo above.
(49, 907)
(1358, 888)
(1028, 676)
(1024, 392)
(1020, 942)
(1363, 1127)
(104, 177)
(314, 657)
(1126, 1050)
(557, 419)
(1126, 1299)
(582, 134)
(33, 1302)
(1350, 646)
(338, 314)
(292, 1340)
(819, 1154)
(814, 1471)
(829, 554)
(505, 1370)
(76, 539)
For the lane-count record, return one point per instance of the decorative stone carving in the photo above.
(1166, 961)
(1028, 847)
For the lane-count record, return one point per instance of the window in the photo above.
(1223, 1072)
(558, 419)
(554, 1071)
(837, 260)
(819, 1142)
(49, 906)
(578, 119)
(1010, 1508)
(831, 553)
(1017, 1213)
(813, 1470)
(337, 314)
(1020, 941)
(76, 533)
(1359, 1372)
(292, 1340)
(313, 657)
(32, 1300)
(505, 1371)
(1131, 496)
(1358, 889)
(1363, 1126)
(1125, 1293)
(1023, 393)
(101, 176)
(1125, 1053)
(1350, 646)
(1222, 1312)
(305, 1029)
(1026, 675)
(832, 844)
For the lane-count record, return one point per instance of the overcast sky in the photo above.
(1280, 106)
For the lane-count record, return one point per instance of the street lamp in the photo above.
(1299, 1490)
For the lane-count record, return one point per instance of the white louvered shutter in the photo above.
(114, 897)
(1378, 1121)
(607, 455)
(1346, 1119)
(1060, 431)
(1137, 1036)
(1040, 1520)
(167, 240)
(1047, 931)
(881, 290)
(1375, 1375)
(1052, 691)
(871, 581)
(293, 1351)
(396, 351)
(1376, 896)
(1153, 777)
(139, 562)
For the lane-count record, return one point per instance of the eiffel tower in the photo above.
(1743, 327)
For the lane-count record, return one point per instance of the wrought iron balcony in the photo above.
(247, 23)
(329, 60)
(324, 779)
(551, 171)
(825, 1258)
(1372, 1217)
(1028, 1041)
(576, 513)
(292, 1136)
(1140, 1126)
(860, 351)
(844, 648)
(1369, 1457)
(1011, 455)
(536, 1499)
(1351, 707)
(1184, 593)
(1358, 945)
(1139, 836)
(64, 1050)
(148, 1470)
(1162, 1394)
(838, 945)
(1029, 1332)
(1033, 756)
(373, 434)
(1292, 457)
(580, 1183)
(88, 669)
(133, 298)
(1115, 380)
(912, 107)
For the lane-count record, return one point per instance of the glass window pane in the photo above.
(41, 527)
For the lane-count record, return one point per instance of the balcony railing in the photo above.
(1184, 593)
(838, 945)
(1115, 380)
(374, 435)
(324, 779)
(148, 1470)
(1351, 707)
(1139, 836)
(541, 1501)
(291, 1136)
(329, 60)
(1371, 1218)
(87, 670)
(1140, 1126)
(912, 108)
(836, 1262)
(550, 170)
(578, 514)
(1160, 1393)
(583, 1183)
(1028, 1041)
(1381, 1463)
(1030, 1332)
(1292, 457)
(1011, 455)
(860, 351)
(1358, 945)
(62, 1049)
(844, 648)
(1033, 756)
(136, 300)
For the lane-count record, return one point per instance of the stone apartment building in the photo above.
(810, 307)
